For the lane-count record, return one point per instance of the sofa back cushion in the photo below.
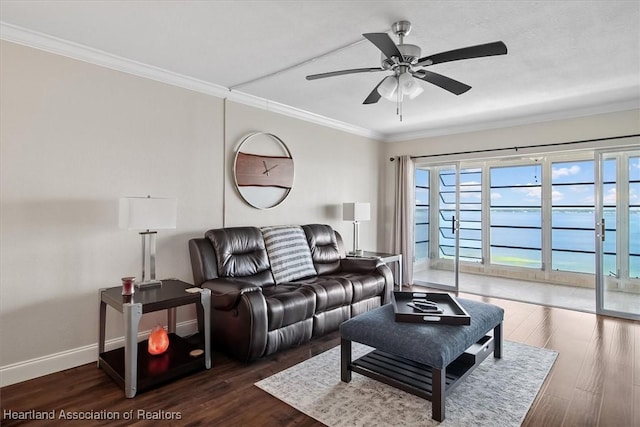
(241, 252)
(288, 252)
(324, 248)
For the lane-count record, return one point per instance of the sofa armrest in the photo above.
(371, 265)
(360, 265)
(226, 293)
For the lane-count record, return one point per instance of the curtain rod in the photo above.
(554, 144)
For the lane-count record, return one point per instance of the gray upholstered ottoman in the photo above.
(427, 360)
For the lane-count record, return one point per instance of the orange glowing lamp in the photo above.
(158, 341)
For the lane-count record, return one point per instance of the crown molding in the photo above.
(287, 110)
(48, 43)
(569, 113)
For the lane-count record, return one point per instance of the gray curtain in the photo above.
(403, 229)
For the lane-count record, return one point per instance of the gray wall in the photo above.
(76, 137)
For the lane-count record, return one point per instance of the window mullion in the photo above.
(547, 202)
(486, 217)
(622, 218)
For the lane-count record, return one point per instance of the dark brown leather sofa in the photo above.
(253, 316)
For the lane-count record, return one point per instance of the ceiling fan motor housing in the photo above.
(410, 52)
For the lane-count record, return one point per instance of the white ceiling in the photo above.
(566, 58)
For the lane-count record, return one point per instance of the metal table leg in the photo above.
(205, 301)
(102, 326)
(132, 314)
(171, 320)
(400, 278)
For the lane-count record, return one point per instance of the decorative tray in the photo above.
(448, 312)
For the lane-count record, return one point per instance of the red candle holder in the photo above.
(128, 285)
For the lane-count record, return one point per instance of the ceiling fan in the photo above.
(406, 64)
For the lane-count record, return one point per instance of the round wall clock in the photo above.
(263, 170)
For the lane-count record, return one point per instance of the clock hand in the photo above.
(267, 169)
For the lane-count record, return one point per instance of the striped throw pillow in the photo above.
(288, 252)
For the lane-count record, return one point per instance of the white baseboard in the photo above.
(45, 365)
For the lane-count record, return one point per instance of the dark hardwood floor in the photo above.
(594, 382)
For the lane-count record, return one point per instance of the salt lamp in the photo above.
(158, 341)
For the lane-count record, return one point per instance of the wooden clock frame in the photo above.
(263, 171)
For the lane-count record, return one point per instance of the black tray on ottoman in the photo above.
(452, 312)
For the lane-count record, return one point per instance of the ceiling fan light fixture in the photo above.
(417, 90)
(409, 85)
(388, 87)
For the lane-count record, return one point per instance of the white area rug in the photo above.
(498, 393)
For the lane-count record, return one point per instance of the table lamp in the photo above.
(148, 214)
(356, 212)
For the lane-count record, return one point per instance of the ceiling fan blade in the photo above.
(385, 44)
(374, 96)
(342, 72)
(478, 51)
(444, 82)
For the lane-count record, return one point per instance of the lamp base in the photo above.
(357, 252)
(148, 284)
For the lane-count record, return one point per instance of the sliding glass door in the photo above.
(531, 219)
(449, 229)
(437, 224)
(618, 233)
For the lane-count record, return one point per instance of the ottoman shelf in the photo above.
(427, 360)
(413, 377)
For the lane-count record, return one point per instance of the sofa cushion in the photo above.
(365, 285)
(240, 252)
(288, 252)
(331, 292)
(324, 247)
(288, 304)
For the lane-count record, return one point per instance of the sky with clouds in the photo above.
(572, 184)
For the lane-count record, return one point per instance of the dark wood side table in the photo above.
(387, 259)
(131, 366)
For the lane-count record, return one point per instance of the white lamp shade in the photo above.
(417, 90)
(147, 213)
(356, 211)
(406, 82)
(409, 85)
(388, 87)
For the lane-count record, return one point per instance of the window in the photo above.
(634, 217)
(610, 213)
(421, 218)
(471, 215)
(516, 216)
(572, 216)
(470, 220)
(530, 218)
(446, 213)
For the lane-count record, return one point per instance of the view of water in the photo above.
(572, 249)
(516, 216)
